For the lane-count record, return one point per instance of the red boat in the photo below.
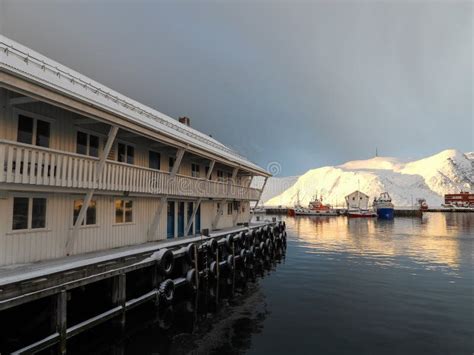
(361, 214)
(463, 199)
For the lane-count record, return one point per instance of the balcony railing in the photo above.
(25, 164)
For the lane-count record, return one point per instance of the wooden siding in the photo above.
(24, 246)
(48, 243)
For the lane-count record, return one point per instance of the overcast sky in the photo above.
(305, 84)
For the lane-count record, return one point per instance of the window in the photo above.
(229, 208)
(126, 153)
(171, 163)
(219, 209)
(194, 170)
(123, 211)
(42, 133)
(20, 212)
(25, 130)
(207, 172)
(29, 213)
(33, 131)
(87, 144)
(220, 175)
(154, 160)
(90, 214)
(236, 205)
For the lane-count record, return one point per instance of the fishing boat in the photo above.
(383, 206)
(315, 208)
(423, 206)
(357, 205)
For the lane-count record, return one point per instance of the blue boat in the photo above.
(383, 206)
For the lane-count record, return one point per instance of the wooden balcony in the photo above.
(43, 167)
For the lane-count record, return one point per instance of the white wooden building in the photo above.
(357, 200)
(66, 139)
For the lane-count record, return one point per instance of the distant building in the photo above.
(357, 200)
(462, 199)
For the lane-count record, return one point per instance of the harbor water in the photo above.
(361, 286)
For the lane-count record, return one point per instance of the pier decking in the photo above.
(162, 266)
(43, 278)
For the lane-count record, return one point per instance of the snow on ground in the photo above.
(429, 178)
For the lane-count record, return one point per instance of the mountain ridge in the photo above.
(449, 171)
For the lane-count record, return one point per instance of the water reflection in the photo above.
(432, 240)
(220, 319)
(345, 287)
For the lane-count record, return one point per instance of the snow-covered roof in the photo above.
(25, 62)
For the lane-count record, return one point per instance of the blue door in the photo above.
(189, 215)
(180, 219)
(170, 220)
(197, 220)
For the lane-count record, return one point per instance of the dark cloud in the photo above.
(305, 84)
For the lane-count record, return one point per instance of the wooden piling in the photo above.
(119, 295)
(61, 320)
(196, 264)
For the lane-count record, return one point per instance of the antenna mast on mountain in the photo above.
(376, 152)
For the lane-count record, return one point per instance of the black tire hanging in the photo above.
(190, 250)
(166, 291)
(165, 261)
(191, 278)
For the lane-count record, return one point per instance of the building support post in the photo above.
(177, 163)
(193, 215)
(232, 182)
(164, 200)
(119, 295)
(261, 191)
(61, 319)
(88, 198)
(234, 175)
(249, 183)
(259, 197)
(211, 168)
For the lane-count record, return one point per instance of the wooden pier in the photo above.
(105, 285)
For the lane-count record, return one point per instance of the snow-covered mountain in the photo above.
(429, 178)
(275, 185)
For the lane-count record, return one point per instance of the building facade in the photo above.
(357, 200)
(84, 168)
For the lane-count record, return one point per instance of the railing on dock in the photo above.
(25, 164)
